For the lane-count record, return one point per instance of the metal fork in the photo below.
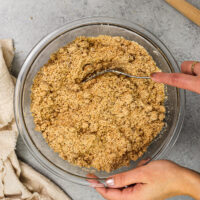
(115, 71)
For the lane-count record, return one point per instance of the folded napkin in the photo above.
(17, 180)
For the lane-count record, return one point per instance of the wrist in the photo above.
(192, 183)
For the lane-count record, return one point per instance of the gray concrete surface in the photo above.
(27, 21)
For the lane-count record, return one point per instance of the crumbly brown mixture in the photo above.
(108, 121)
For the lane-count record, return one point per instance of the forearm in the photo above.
(192, 184)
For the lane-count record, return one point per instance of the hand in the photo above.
(187, 79)
(157, 180)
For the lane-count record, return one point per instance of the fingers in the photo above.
(179, 80)
(111, 193)
(93, 181)
(117, 194)
(186, 67)
(136, 175)
(143, 162)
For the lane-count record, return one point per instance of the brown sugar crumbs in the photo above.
(108, 121)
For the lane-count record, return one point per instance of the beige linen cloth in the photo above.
(17, 180)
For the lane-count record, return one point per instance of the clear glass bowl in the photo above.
(93, 27)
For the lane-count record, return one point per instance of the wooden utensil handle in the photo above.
(186, 9)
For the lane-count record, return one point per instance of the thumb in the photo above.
(127, 178)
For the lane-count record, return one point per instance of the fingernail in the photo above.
(153, 75)
(94, 185)
(110, 182)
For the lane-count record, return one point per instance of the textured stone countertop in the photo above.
(28, 21)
